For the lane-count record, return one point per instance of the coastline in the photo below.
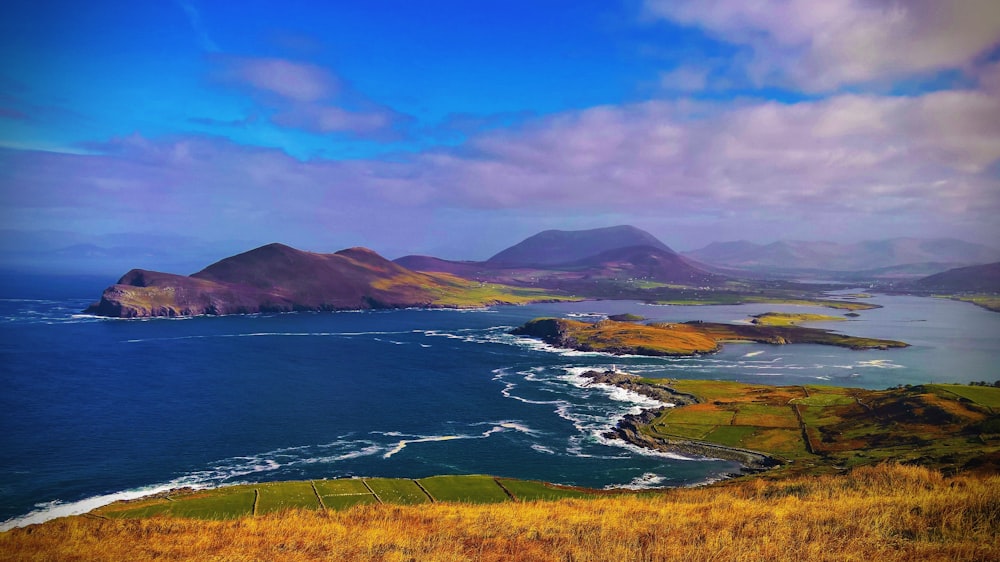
(629, 428)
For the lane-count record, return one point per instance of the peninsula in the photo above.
(278, 278)
(680, 339)
(813, 429)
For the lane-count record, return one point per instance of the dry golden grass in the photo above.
(874, 513)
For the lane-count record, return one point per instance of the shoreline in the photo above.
(629, 428)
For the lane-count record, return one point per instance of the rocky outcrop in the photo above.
(630, 428)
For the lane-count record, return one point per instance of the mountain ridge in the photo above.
(279, 278)
(833, 256)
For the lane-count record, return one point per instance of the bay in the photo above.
(94, 410)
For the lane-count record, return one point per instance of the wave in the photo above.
(644, 481)
(275, 334)
(592, 419)
(55, 509)
(495, 427)
(244, 469)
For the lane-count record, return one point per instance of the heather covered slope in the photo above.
(644, 263)
(976, 278)
(278, 278)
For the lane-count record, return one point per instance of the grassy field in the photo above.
(989, 302)
(674, 339)
(886, 513)
(476, 489)
(792, 319)
(950, 427)
(232, 502)
(738, 298)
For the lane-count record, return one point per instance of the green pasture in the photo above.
(471, 489)
(988, 396)
(530, 490)
(244, 500)
(397, 490)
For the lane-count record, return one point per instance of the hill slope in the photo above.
(278, 278)
(977, 278)
(644, 262)
(553, 247)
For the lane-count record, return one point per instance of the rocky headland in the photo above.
(631, 427)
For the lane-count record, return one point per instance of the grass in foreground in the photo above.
(888, 512)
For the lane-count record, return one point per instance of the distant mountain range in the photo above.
(615, 262)
(912, 255)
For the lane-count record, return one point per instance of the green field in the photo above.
(474, 489)
(530, 490)
(397, 490)
(988, 396)
(342, 494)
(279, 496)
(222, 503)
(792, 319)
(243, 500)
(946, 426)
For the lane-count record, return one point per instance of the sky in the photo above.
(186, 130)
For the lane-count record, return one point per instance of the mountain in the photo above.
(643, 263)
(830, 256)
(553, 247)
(278, 278)
(972, 279)
(573, 259)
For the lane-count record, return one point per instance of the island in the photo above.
(680, 339)
(794, 318)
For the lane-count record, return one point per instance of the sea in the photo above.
(94, 410)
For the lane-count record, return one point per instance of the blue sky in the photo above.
(195, 129)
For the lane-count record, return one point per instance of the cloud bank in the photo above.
(931, 157)
(821, 46)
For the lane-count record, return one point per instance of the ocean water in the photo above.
(94, 410)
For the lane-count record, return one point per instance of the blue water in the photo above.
(94, 410)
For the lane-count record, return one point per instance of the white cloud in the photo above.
(821, 46)
(311, 98)
(685, 79)
(296, 81)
